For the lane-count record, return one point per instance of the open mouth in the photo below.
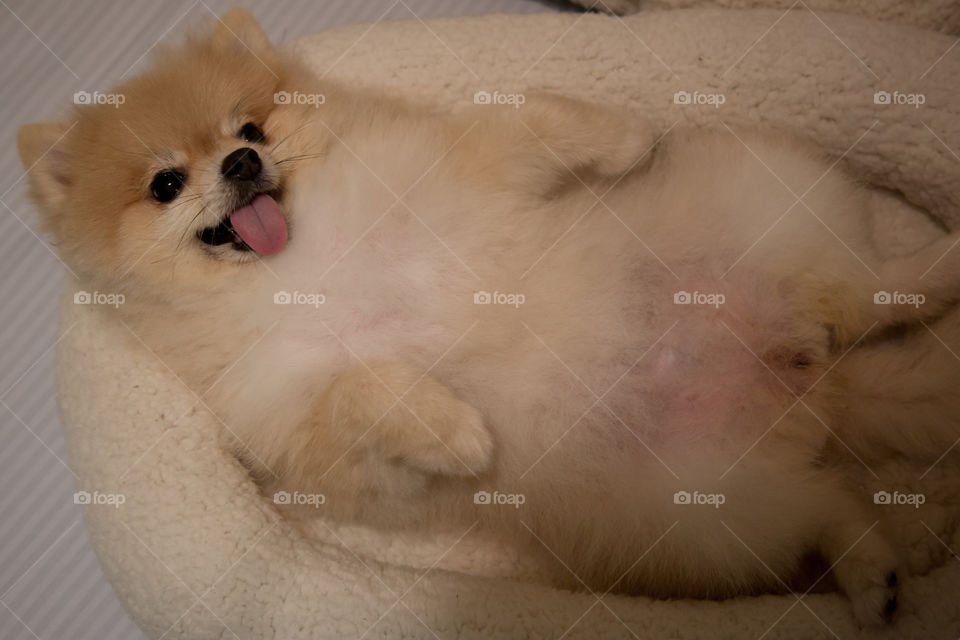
(223, 233)
(258, 226)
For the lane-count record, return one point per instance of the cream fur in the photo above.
(398, 398)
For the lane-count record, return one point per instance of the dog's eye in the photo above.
(166, 185)
(251, 133)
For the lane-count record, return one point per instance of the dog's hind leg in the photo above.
(901, 394)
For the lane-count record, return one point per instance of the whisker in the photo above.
(305, 156)
(185, 201)
(287, 137)
(188, 227)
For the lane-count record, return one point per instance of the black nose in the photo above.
(242, 164)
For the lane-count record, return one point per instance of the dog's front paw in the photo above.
(868, 575)
(404, 417)
(452, 439)
(633, 149)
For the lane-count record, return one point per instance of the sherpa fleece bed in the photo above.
(196, 552)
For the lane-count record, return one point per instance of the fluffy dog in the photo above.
(629, 351)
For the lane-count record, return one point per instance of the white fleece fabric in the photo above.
(196, 552)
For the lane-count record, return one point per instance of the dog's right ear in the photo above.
(44, 154)
(238, 29)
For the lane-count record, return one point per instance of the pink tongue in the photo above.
(261, 225)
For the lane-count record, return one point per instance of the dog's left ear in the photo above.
(238, 28)
(43, 151)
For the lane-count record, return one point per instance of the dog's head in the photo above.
(179, 172)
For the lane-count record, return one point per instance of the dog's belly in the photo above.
(656, 388)
(701, 387)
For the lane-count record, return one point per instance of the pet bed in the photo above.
(940, 15)
(195, 551)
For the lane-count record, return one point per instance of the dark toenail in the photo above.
(891, 606)
(892, 579)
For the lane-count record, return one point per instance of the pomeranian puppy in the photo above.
(629, 355)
